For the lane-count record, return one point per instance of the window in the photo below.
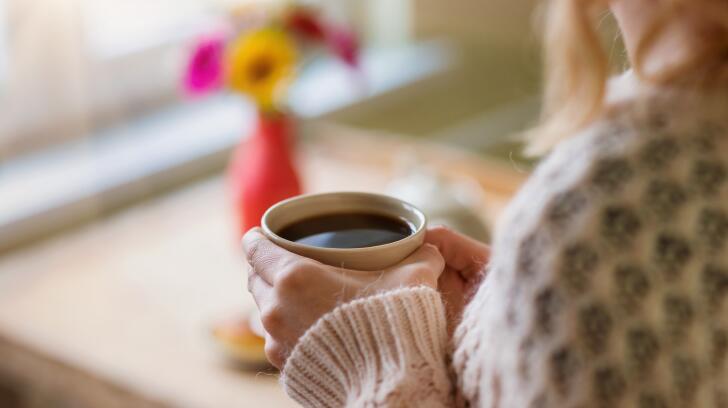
(73, 67)
(90, 118)
(69, 68)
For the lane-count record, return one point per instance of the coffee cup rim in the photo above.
(410, 207)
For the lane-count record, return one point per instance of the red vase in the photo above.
(262, 171)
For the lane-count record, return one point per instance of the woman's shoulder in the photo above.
(650, 155)
(612, 264)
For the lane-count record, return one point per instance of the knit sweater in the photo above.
(606, 286)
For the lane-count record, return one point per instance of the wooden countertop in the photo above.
(117, 313)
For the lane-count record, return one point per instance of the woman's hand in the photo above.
(293, 292)
(465, 261)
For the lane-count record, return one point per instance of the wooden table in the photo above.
(117, 313)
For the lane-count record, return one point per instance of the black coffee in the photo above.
(347, 230)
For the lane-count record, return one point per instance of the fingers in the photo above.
(427, 255)
(424, 266)
(265, 257)
(460, 252)
(261, 291)
(452, 287)
(270, 318)
(275, 352)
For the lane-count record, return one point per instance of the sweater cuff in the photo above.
(370, 349)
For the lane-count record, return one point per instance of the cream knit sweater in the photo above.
(606, 287)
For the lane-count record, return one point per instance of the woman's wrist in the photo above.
(351, 346)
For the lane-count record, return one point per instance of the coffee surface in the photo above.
(347, 230)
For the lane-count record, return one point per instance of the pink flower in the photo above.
(205, 70)
(344, 44)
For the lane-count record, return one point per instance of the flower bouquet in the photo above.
(258, 53)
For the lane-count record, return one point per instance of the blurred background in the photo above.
(118, 245)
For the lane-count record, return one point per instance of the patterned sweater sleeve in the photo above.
(387, 350)
(608, 285)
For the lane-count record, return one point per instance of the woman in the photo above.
(609, 270)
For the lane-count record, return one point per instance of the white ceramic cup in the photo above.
(372, 258)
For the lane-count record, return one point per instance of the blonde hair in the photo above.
(577, 67)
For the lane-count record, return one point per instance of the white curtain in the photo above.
(58, 87)
(46, 72)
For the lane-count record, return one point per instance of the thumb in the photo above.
(422, 267)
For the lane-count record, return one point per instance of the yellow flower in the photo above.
(262, 64)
